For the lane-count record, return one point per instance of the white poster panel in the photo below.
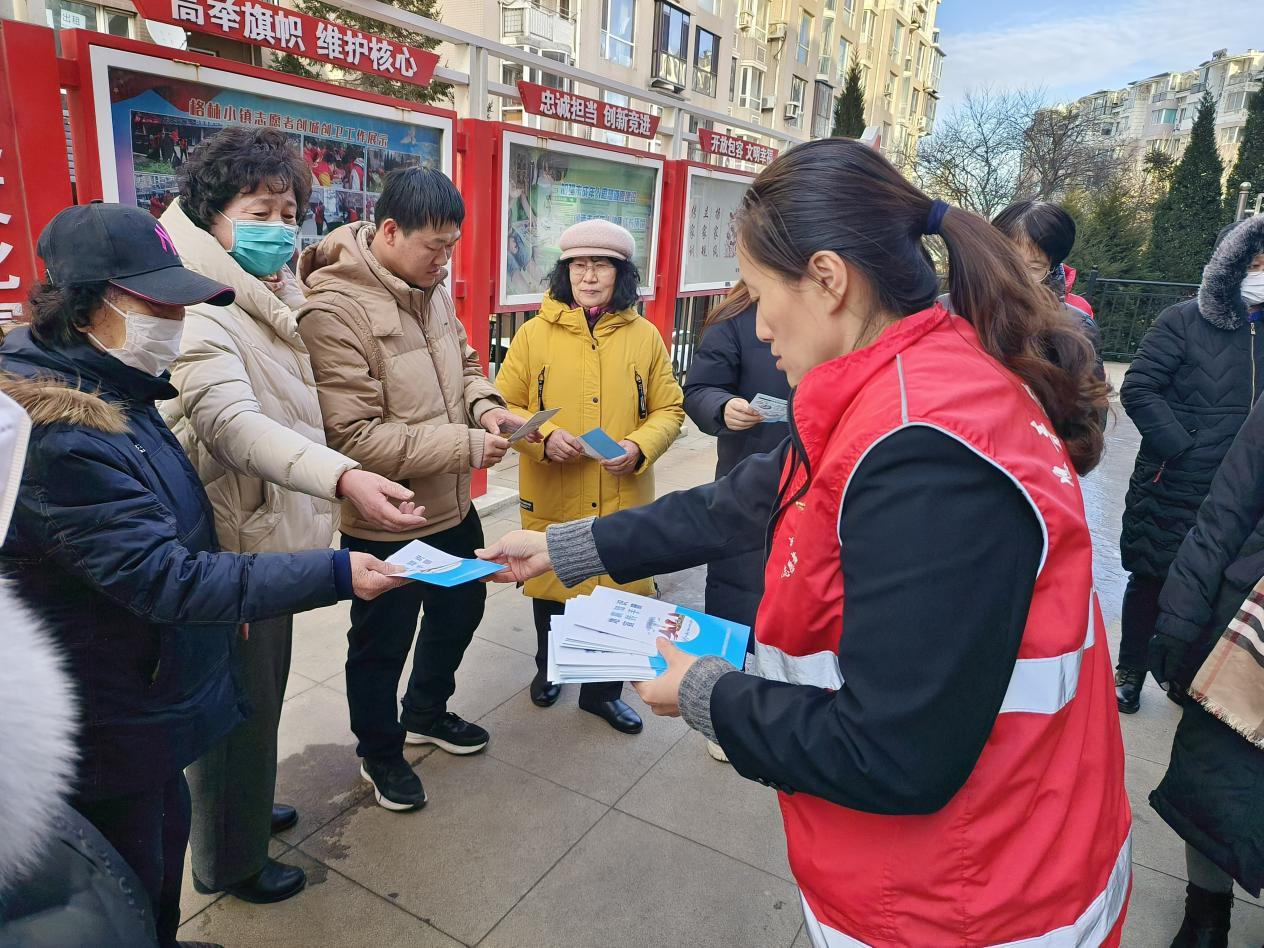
(709, 240)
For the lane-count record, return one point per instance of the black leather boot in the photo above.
(1128, 682)
(1206, 923)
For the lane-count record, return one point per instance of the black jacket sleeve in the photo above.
(1232, 510)
(713, 377)
(939, 556)
(1146, 382)
(109, 529)
(688, 528)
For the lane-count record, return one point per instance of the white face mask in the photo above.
(150, 343)
(1253, 288)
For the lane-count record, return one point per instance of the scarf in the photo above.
(1230, 683)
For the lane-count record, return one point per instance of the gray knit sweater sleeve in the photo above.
(574, 551)
(695, 693)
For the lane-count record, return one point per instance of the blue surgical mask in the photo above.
(262, 247)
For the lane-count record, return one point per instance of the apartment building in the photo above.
(1158, 113)
(778, 64)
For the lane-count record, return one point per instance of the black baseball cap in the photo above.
(127, 247)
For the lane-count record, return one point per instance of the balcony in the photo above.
(526, 23)
(752, 52)
(671, 73)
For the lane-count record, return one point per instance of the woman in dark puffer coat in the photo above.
(730, 367)
(1211, 792)
(1199, 370)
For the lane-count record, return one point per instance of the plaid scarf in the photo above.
(1230, 683)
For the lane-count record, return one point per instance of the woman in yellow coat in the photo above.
(591, 355)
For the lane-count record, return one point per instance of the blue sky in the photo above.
(1075, 47)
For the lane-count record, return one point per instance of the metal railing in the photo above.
(1125, 310)
(691, 312)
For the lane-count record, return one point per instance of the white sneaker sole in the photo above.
(391, 804)
(458, 749)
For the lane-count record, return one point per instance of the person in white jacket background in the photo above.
(248, 416)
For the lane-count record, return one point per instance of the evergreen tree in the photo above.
(1190, 214)
(1250, 163)
(1109, 238)
(366, 82)
(849, 107)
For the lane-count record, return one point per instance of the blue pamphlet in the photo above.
(600, 446)
(424, 563)
(700, 634)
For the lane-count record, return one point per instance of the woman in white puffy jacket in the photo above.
(248, 416)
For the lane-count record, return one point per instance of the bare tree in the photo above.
(975, 157)
(1062, 151)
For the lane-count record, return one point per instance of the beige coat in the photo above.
(247, 413)
(400, 388)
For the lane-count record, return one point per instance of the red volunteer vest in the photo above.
(1034, 850)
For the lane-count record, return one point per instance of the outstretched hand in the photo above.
(372, 496)
(525, 554)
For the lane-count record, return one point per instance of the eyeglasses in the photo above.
(598, 268)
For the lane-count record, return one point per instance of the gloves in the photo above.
(1167, 659)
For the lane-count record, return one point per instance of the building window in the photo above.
(1163, 117)
(921, 59)
(1231, 136)
(671, 44)
(750, 91)
(90, 16)
(897, 41)
(805, 37)
(618, 23)
(914, 102)
(844, 49)
(706, 62)
(614, 98)
(868, 21)
(732, 78)
(1236, 100)
(794, 108)
(826, 65)
(822, 110)
(753, 18)
(849, 12)
(709, 6)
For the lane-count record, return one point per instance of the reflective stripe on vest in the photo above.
(1036, 686)
(1088, 931)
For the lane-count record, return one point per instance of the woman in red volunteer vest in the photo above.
(930, 691)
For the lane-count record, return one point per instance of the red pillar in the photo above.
(34, 172)
(477, 152)
(661, 310)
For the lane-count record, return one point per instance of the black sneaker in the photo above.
(452, 734)
(1128, 682)
(395, 785)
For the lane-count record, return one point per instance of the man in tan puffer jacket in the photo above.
(403, 393)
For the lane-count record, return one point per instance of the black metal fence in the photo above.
(1125, 309)
(501, 332)
(691, 312)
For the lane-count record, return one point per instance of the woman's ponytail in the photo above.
(1025, 328)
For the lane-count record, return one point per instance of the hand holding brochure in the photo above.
(612, 636)
(773, 409)
(423, 562)
(533, 423)
(600, 446)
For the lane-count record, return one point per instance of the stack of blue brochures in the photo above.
(612, 635)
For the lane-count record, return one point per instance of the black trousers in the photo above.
(150, 830)
(1140, 614)
(545, 610)
(382, 632)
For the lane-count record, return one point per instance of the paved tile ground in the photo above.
(566, 834)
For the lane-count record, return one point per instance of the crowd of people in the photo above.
(188, 424)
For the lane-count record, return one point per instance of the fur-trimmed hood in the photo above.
(38, 722)
(1219, 301)
(49, 401)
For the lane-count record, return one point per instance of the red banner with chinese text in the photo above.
(569, 107)
(287, 31)
(714, 143)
